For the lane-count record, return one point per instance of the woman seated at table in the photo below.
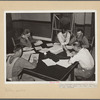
(86, 62)
(15, 64)
(80, 37)
(26, 39)
(64, 36)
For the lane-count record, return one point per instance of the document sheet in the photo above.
(49, 62)
(34, 57)
(44, 50)
(38, 48)
(62, 62)
(27, 54)
(39, 42)
(56, 49)
(27, 48)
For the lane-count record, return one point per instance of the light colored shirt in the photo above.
(10, 67)
(63, 38)
(84, 58)
(16, 66)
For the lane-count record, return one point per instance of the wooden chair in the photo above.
(15, 41)
(92, 44)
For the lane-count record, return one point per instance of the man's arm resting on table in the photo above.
(74, 59)
(25, 64)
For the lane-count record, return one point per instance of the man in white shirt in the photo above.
(86, 63)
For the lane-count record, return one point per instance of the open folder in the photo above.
(26, 55)
(62, 62)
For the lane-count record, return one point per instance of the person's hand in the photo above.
(63, 46)
(73, 53)
(69, 54)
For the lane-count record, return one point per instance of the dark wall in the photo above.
(38, 23)
(89, 29)
(9, 33)
(38, 28)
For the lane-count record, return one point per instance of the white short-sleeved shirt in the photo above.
(84, 58)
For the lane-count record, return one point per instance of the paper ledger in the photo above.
(34, 57)
(27, 48)
(43, 50)
(50, 62)
(63, 63)
(26, 55)
(39, 42)
(38, 48)
(56, 49)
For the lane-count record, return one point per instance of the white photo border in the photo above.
(53, 82)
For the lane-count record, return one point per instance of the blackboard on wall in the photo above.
(40, 24)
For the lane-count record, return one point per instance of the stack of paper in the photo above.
(27, 48)
(49, 44)
(39, 42)
(44, 50)
(38, 48)
(56, 49)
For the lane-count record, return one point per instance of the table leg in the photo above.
(72, 75)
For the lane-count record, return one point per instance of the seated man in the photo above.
(15, 64)
(80, 37)
(26, 39)
(86, 63)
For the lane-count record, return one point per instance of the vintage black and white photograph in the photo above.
(46, 46)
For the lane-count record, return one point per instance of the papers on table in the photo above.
(44, 50)
(63, 63)
(39, 42)
(56, 49)
(49, 62)
(49, 44)
(34, 57)
(27, 48)
(38, 48)
(27, 54)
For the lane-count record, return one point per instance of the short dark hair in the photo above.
(80, 30)
(26, 31)
(66, 27)
(78, 44)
